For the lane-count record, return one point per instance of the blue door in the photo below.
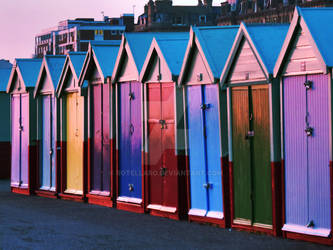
(129, 130)
(47, 170)
(204, 151)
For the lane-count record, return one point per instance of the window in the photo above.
(202, 19)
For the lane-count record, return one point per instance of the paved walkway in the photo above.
(41, 223)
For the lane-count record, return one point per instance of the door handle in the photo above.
(207, 185)
(249, 135)
(51, 151)
(308, 84)
(130, 187)
(205, 106)
(131, 96)
(20, 128)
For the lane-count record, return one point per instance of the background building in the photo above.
(75, 35)
(264, 11)
(161, 15)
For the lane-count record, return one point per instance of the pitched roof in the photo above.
(55, 65)
(29, 69)
(319, 22)
(4, 78)
(268, 40)
(216, 43)
(173, 49)
(4, 64)
(106, 55)
(77, 59)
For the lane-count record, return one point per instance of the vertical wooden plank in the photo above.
(106, 149)
(261, 169)
(213, 150)
(136, 140)
(96, 174)
(196, 148)
(25, 140)
(241, 154)
(318, 152)
(16, 140)
(155, 152)
(124, 139)
(295, 151)
(169, 161)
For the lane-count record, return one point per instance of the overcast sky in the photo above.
(21, 20)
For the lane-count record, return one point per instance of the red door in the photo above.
(161, 138)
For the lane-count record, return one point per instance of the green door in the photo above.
(261, 168)
(251, 156)
(241, 156)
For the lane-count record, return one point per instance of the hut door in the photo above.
(306, 153)
(20, 140)
(47, 148)
(130, 169)
(100, 175)
(251, 156)
(162, 161)
(204, 151)
(74, 143)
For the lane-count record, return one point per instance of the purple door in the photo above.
(20, 140)
(130, 169)
(100, 172)
(306, 154)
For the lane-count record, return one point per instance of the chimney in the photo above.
(208, 3)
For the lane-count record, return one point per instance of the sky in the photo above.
(21, 20)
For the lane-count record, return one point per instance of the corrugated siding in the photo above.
(246, 66)
(295, 154)
(318, 152)
(302, 57)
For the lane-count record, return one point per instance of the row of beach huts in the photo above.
(228, 125)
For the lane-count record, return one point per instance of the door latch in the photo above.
(51, 151)
(205, 106)
(131, 96)
(163, 171)
(163, 124)
(131, 187)
(308, 84)
(309, 131)
(131, 129)
(20, 128)
(207, 185)
(249, 134)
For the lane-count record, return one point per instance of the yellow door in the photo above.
(74, 143)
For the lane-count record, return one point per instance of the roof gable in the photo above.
(27, 71)
(315, 24)
(170, 53)
(255, 46)
(50, 73)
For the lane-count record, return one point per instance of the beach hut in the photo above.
(23, 110)
(165, 179)
(96, 76)
(73, 133)
(5, 150)
(305, 68)
(254, 128)
(205, 123)
(47, 125)
(129, 120)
